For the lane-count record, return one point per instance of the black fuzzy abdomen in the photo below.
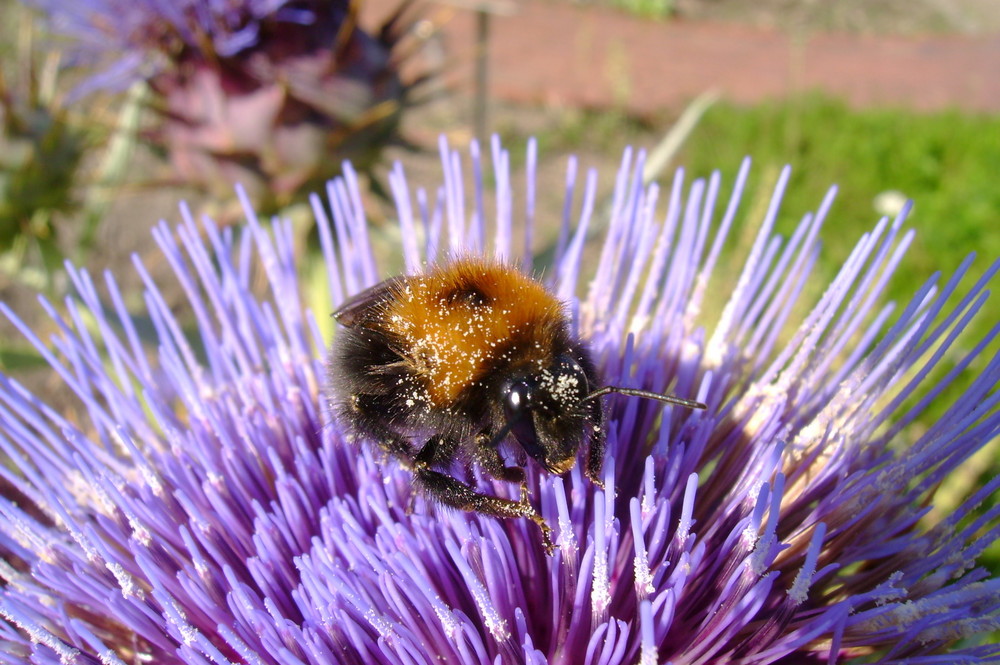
(377, 395)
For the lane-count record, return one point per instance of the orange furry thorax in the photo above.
(459, 321)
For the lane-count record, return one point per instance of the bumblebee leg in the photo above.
(453, 492)
(595, 462)
(595, 450)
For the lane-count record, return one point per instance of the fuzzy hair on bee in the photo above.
(462, 364)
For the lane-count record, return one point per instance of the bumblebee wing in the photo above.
(364, 307)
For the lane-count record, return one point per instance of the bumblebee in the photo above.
(463, 364)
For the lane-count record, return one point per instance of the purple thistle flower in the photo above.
(206, 510)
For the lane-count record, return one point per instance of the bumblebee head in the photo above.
(546, 411)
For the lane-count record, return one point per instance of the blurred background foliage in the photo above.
(85, 150)
(41, 152)
(273, 96)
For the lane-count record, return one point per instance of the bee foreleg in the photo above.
(453, 492)
(595, 449)
(595, 462)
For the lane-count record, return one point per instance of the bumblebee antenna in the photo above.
(634, 392)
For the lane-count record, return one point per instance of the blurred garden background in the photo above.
(890, 101)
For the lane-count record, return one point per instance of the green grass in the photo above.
(646, 8)
(948, 163)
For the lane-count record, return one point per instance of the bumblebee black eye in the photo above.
(516, 399)
(517, 405)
